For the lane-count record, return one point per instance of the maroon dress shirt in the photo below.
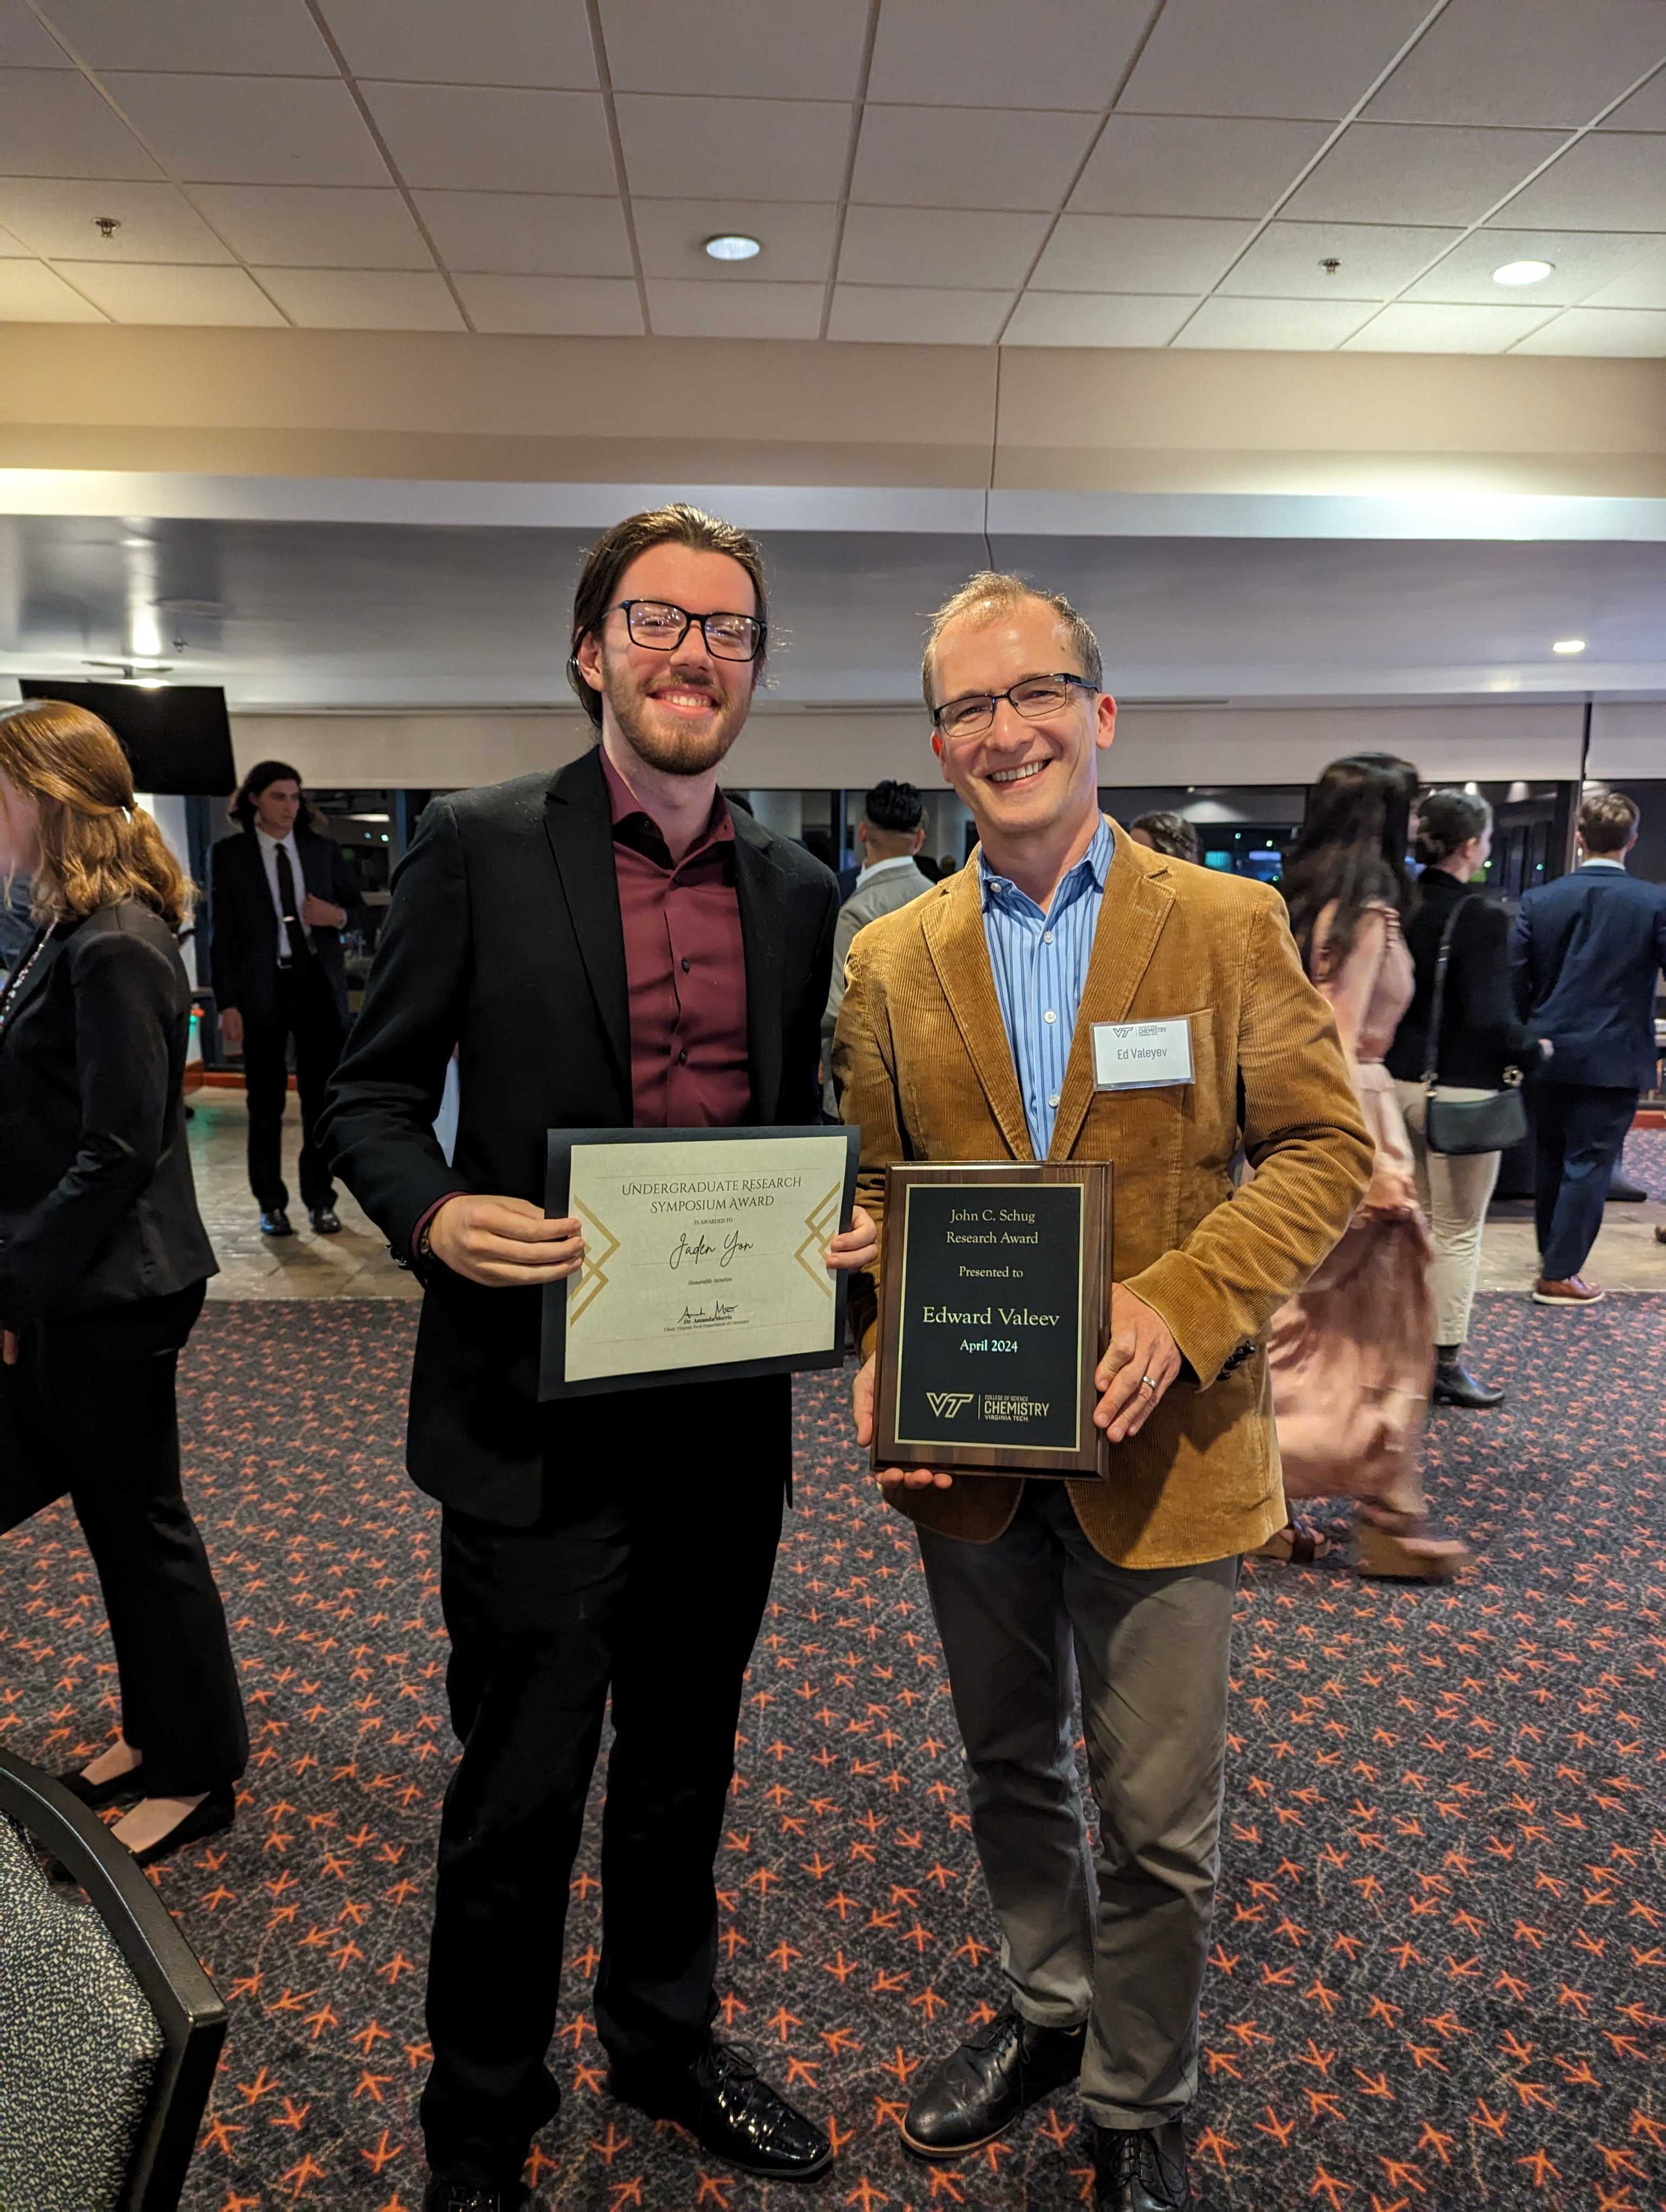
(685, 967)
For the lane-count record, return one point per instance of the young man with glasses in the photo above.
(967, 1034)
(610, 946)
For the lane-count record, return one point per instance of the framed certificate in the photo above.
(705, 1254)
(996, 1311)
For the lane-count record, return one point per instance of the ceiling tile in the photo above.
(1642, 285)
(569, 307)
(1644, 110)
(925, 315)
(797, 238)
(1277, 325)
(1628, 332)
(244, 38)
(967, 157)
(134, 294)
(1071, 54)
(23, 43)
(748, 150)
(1187, 165)
(682, 309)
(363, 298)
(1582, 262)
(252, 130)
(1406, 174)
(758, 49)
(1611, 180)
(30, 292)
(950, 248)
(1067, 318)
(1139, 253)
(1290, 57)
(527, 234)
(56, 125)
(488, 42)
(57, 218)
(1377, 260)
(1523, 62)
(1425, 328)
(471, 138)
(315, 225)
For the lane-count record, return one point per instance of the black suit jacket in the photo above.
(243, 947)
(504, 941)
(97, 1206)
(1587, 951)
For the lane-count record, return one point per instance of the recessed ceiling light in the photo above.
(1569, 645)
(1524, 272)
(733, 245)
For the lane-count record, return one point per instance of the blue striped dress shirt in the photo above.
(1040, 963)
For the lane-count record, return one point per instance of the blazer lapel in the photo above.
(953, 924)
(758, 893)
(578, 823)
(49, 954)
(1131, 913)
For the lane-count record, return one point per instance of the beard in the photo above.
(666, 741)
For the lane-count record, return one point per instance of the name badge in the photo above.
(1141, 1055)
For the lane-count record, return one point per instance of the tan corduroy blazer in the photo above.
(924, 1067)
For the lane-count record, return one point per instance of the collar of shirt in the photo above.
(1601, 860)
(268, 843)
(1089, 873)
(879, 867)
(634, 827)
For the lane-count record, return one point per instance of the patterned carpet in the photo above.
(1440, 1969)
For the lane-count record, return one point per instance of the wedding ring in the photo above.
(1147, 1382)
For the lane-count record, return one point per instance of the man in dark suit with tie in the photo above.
(1586, 952)
(608, 946)
(280, 895)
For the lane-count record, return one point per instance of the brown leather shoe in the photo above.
(1576, 1291)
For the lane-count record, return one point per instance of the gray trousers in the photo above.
(1118, 1940)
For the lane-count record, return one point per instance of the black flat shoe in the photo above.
(97, 1794)
(211, 1818)
(731, 2110)
(1454, 1385)
(978, 2091)
(447, 2192)
(1627, 1193)
(1141, 2169)
(275, 1222)
(325, 1221)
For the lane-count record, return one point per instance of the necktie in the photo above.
(300, 945)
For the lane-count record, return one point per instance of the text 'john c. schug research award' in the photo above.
(995, 1309)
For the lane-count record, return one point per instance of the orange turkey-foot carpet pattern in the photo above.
(1439, 1975)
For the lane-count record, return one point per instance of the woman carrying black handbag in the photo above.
(1476, 1052)
(103, 1257)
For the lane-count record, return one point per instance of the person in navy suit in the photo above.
(1586, 952)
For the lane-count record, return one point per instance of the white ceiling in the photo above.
(1100, 172)
(344, 615)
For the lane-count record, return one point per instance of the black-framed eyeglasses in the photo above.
(661, 628)
(1035, 698)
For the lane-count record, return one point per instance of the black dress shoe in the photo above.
(733, 2113)
(1628, 1193)
(978, 2091)
(215, 1815)
(1454, 1385)
(275, 1222)
(325, 1221)
(451, 2192)
(1141, 2169)
(97, 1794)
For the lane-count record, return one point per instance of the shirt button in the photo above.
(686, 967)
(1053, 1100)
(1047, 936)
(1050, 1016)
(682, 1056)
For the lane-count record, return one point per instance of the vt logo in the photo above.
(945, 1404)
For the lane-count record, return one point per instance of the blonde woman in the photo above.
(103, 1257)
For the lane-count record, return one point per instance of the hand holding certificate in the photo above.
(703, 1249)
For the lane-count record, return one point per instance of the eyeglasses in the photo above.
(662, 627)
(1036, 698)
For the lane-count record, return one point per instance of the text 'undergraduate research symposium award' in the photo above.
(705, 1254)
(996, 1303)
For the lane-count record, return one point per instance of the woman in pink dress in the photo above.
(1352, 1356)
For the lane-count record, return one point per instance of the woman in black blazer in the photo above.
(103, 1257)
(1481, 1037)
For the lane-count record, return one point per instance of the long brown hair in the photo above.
(97, 847)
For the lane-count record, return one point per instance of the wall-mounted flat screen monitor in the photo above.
(178, 736)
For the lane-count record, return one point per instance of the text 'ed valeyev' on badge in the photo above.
(1141, 1055)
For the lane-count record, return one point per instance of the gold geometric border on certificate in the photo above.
(822, 1223)
(592, 1275)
